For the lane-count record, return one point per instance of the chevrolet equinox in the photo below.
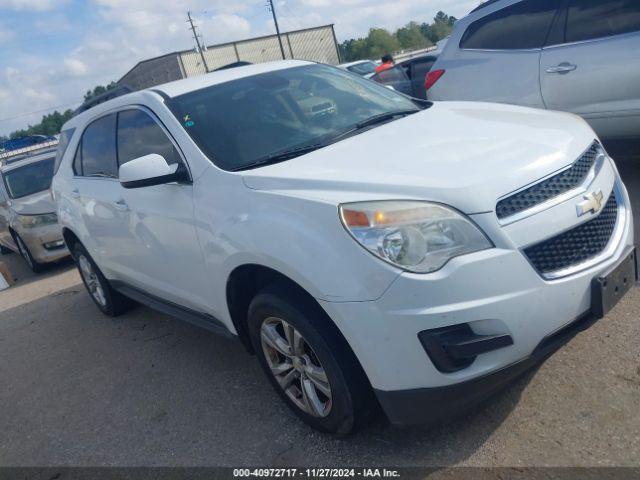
(372, 250)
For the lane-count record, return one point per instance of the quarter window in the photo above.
(99, 148)
(63, 144)
(588, 19)
(140, 135)
(524, 25)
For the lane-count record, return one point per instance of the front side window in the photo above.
(589, 19)
(524, 25)
(254, 120)
(29, 179)
(98, 149)
(140, 135)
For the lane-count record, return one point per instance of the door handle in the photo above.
(75, 193)
(564, 67)
(121, 205)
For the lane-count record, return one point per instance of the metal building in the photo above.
(316, 44)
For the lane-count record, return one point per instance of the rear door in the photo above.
(497, 58)
(96, 192)
(592, 67)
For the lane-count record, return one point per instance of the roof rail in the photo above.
(484, 4)
(105, 97)
(14, 155)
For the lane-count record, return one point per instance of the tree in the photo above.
(411, 38)
(380, 42)
(99, 90)
(440, 28)
(49, 125)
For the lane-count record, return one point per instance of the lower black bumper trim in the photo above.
(432, 405)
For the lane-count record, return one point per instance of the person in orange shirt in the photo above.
(387, 63)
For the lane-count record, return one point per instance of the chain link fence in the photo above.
(316, 44)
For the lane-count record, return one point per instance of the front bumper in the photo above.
(431, 405)
(496, 292)
(43, 242)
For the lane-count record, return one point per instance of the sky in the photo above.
(53, 51)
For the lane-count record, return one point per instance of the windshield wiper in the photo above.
(282, 156)
(383, 117)
(375, 120)
(290, 153)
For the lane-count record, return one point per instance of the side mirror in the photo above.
(151, 170)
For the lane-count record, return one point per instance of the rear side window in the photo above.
(140, 135)
(98, 148)
(524, 25)
(63, 144)
(588, 19)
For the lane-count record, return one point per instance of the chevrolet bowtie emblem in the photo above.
(592, 203)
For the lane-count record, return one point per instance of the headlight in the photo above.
(31, 221)
(416, 236)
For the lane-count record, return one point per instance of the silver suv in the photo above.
(579, 56)
(28, 222)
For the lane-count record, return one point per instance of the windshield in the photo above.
(30, 179)
(238, 123)
(365, 68)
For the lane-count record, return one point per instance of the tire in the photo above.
(348, 401)
(107, 299)
(36, 267)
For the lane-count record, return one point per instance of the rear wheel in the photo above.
(308, 362)
(106, 298)
(35, 266)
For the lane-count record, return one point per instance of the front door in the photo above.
(594, 70)
(161, 253)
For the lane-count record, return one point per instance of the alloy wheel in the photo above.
(296, 367)
(92, 281)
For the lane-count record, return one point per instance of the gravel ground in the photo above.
(80, 389)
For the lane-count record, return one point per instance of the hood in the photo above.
(463, 154)
(36, 204)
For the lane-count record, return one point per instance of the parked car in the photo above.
(24, 142)
(28, 219)
(579, 56)
(422, 278)
(364, 68)
(408, 76)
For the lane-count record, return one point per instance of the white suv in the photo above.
(369, 248)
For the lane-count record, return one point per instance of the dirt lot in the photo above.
(77, 388)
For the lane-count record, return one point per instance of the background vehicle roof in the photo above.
(28, 160)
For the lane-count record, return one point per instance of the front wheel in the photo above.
(308, 362)
(35, 266)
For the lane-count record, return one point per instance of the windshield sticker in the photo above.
(188, 122)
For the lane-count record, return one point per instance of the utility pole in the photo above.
(275, 20)
(197, 39)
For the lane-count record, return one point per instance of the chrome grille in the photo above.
(576, 245)
(552, 187)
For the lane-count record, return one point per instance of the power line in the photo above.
(275, 20)
(197, 39)
(39, 111)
